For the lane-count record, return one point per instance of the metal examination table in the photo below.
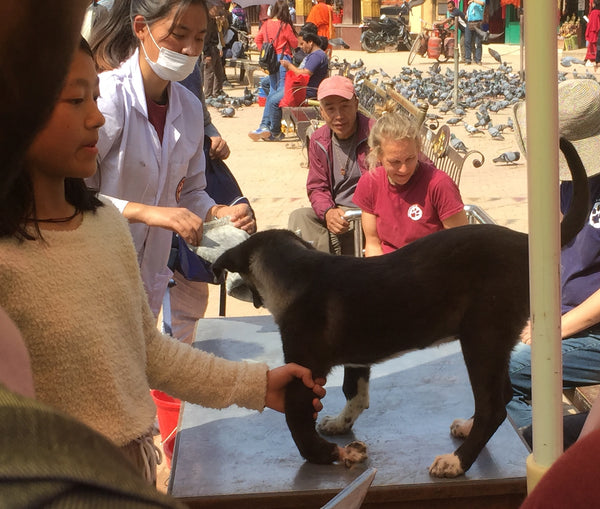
(236, 458)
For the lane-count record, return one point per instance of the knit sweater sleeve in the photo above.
(199, 377)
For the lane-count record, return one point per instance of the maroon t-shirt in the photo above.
(408, 212)
(157, 115)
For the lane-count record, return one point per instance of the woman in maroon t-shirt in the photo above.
(404, 196)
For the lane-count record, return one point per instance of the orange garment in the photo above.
(320, 15)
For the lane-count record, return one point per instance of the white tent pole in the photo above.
(544, 233)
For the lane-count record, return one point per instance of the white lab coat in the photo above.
(135, 166)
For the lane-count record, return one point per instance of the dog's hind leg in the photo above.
(312, 447)
(488, 382)
(356, 390)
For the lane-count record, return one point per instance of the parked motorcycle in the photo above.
(379, 33)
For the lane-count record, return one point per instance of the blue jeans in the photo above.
(472, 37)
(581, 366)
(271, 118)
(278, 79)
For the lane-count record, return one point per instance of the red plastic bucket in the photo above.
(167, 411)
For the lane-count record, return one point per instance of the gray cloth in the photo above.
(346, 171)
(219, 236)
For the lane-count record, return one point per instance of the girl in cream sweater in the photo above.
(69, 279)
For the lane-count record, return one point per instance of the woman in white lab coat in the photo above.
(150, 149)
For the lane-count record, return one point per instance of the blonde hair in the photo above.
(391, 125)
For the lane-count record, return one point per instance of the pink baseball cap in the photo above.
(336, 85)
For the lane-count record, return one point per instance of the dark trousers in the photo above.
(214, 73)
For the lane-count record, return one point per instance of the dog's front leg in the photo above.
(356, 390)
(312, 447)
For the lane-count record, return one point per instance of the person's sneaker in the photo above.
(275, 137)
(261, 133)
(468, 62)
(589, 63)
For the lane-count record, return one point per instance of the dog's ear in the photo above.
(232, 260)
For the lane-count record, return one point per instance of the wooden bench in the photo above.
(371, 97)
(583, 397)
(246, 68)
(300, 118)
(436, 146)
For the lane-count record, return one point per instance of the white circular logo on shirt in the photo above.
(415, 213)
(595, 215)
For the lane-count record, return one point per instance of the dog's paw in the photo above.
(334, 425)
(447, 465)
(354, 452)
(461, 428)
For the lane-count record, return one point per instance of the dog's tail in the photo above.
(579, 209)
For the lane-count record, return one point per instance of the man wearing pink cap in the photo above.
(337, 158)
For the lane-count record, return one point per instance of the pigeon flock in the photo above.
(483, 91)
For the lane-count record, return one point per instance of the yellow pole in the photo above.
(544, 233)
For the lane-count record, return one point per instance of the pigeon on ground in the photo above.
(507, 157)
(457, 144)
(471, 129)
(453, 120)
(495, 133)
(435, 68)
(228, 112)
(568, 60)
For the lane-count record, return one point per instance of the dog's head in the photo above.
(237, 259)
(257, 259)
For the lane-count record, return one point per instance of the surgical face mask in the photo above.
(170, 65)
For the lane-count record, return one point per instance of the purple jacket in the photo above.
(320, 164)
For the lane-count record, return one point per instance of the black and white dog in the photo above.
(470, 282)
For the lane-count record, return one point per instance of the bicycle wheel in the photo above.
(414, 49)
(442, 58)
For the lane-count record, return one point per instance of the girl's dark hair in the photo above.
(113, 40)
(281, 11)
(19, 203)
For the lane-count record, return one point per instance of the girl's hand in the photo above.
(241, 216)
(218, 148)
(278, 378)
(178, 219)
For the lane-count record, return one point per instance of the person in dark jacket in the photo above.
(337, 158)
